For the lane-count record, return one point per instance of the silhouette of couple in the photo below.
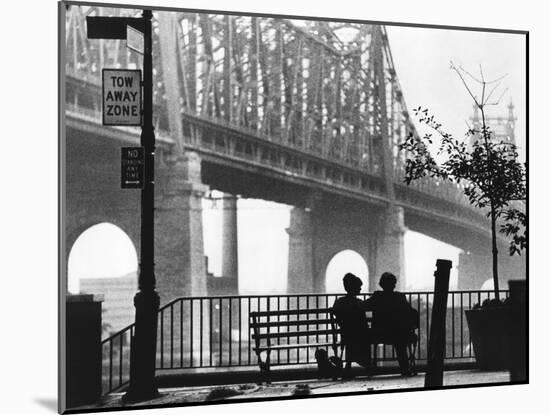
(393, 322)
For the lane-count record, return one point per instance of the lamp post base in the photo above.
(143, 352)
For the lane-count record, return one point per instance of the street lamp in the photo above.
(146, 301)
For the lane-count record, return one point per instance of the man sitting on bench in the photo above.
(349, 312)
(393, 319)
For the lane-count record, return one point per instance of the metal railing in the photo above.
(213, 332)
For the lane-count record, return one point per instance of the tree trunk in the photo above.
(493, 213)
(494, 251)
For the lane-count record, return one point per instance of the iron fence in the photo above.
(213, 332)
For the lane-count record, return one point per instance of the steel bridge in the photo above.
(308, 113)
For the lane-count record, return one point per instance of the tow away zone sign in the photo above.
(121, 97)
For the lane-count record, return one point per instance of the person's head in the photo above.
(352, 284)
(388, 281)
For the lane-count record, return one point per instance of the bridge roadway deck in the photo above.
(235, 392)
(426, 212)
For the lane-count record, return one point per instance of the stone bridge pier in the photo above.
(320, 230)
(179, 249)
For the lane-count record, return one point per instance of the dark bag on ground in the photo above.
(327, 367)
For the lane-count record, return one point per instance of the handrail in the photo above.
(280, 296)
(133, 324)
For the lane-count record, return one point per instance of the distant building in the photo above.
(118, 304)
(502, 128)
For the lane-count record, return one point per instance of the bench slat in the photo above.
(292, 323)
(294, 346)
(290, 312)
(304, 333)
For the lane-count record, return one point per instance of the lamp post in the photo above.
(146, 301)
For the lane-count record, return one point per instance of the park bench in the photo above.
(310, 328)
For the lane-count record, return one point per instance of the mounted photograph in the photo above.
(259, 207)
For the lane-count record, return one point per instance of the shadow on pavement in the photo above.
(48, 403)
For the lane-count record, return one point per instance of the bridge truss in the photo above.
(307, 98)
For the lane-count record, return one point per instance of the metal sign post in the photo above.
(146, 301)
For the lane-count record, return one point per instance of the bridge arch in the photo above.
(81, 225)
(102, 250)
(488, 284)
(344, 261)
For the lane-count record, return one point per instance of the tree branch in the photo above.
(499, 98)
(453, 67)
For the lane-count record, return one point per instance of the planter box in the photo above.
(489, 331)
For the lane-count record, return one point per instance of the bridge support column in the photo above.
(390, 247)
(300, 252)
(179, 248)
(230, 265)
(230, 249)
(180, 265)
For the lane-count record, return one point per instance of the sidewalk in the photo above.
(246, 391)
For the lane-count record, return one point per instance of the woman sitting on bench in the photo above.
(393, 319)
(349, 312)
